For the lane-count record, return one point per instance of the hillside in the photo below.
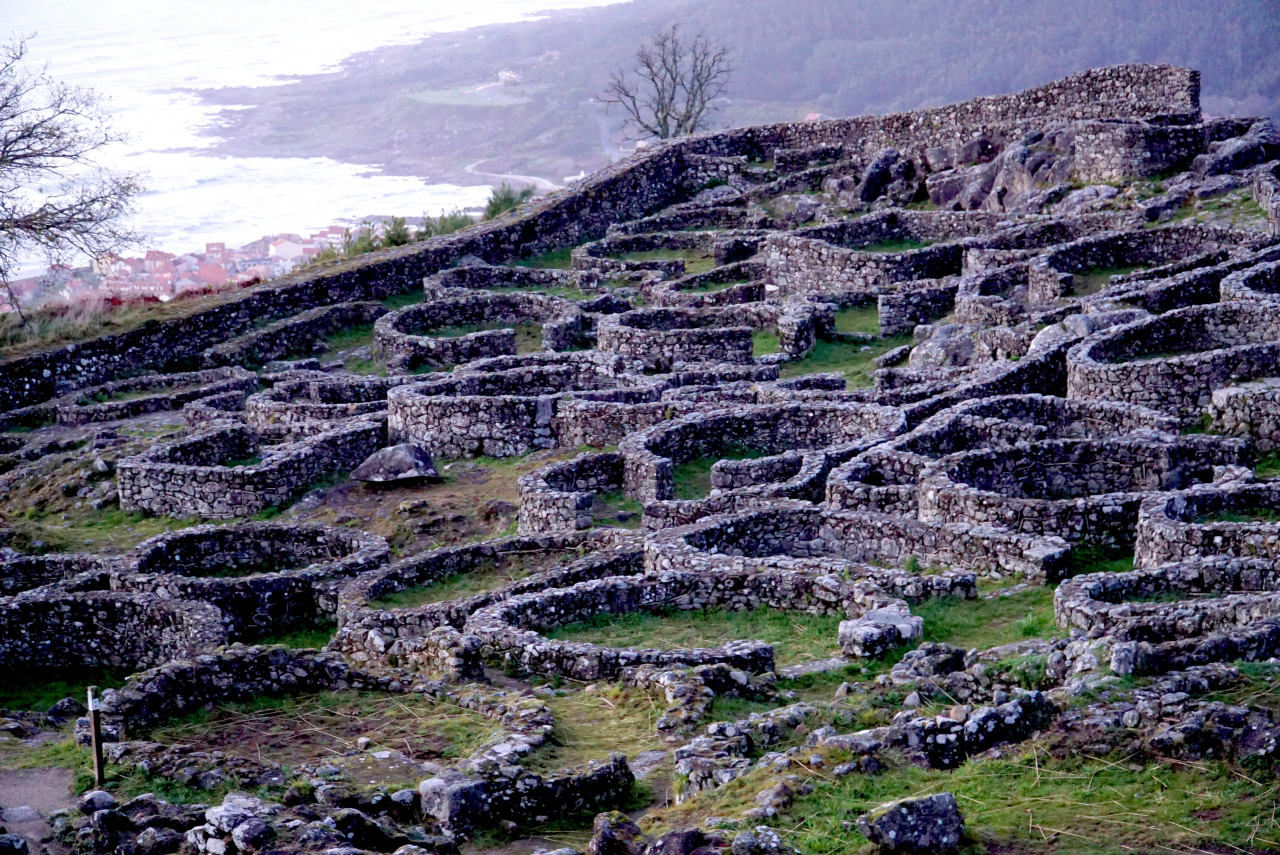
(434, 108)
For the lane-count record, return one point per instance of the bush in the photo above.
(504, 198)
(396, 234)
(445, 224)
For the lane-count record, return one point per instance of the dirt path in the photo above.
(42, 790)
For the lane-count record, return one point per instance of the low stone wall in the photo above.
(1132, 362)
(484, 276)
(1120, 607)
(1084, 491)
(1181, 526)
(1249, 409)
(502, 413)
(403, 342)
(902, 310)
(323, 399)
(1117, 151)
(102, 629)
(34, 571)
(426, 638)
(651, 455)
(186, 478)
(664, 338)
(264, 578)
(886, 478)
(1260, 282)
(1195, 286)
(301, 333)
(171, 392)
(1051, 275)
(807, 537)
(559, 496)
(697, 291)
(510, 630)
(206, 413)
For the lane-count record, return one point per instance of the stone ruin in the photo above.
(944, 356)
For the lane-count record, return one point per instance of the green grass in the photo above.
(40, 688)
(764, 342)
(104, 397)
(795, 637)
(312, 636)
(1248, 515)
(485, 577)
(693, 477)
(556, 259)
(988, 623)
(89, 530)
(399, 301)
(563, 293)
(589, 725)
(606, 507)
(528, 335)
(694, 261)
(904, 245)
(853, 359)
(1029, 802)
(357, 336)
(251, 460)
(1092, 281)
(1268, 465)
(1094, 559)
(859, 319)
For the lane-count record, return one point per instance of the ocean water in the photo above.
(144, 54)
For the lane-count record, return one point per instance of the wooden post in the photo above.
(95, 730)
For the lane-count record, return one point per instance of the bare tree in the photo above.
(669, 93)
(56, 200)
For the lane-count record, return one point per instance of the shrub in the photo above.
(504, 198)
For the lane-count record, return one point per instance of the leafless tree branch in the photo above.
(670, 91)
(55, 199)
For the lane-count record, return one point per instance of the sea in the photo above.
(148, 57)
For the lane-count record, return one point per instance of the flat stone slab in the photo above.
(819, 666)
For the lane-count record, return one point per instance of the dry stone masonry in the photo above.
(1066, 358)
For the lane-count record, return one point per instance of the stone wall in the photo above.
(559, 496)
(301, 333)
(403, 339)
(651, 455)
(320, 399)
(1084, 491)
(171, 392)
(1142, 363)
(186, 478)
(1197, 523)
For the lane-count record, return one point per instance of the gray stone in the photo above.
(925, 825)
(404, 462)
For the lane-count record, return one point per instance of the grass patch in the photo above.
(352, 337)
(904, 245)
(104, 397)
(694, 262)
(310, 728)
(1028, 802)
(251, 460)
(764, 342)
(528, 335)
(1094, 280)
(563, 293)
(988, 623)
(486, 576)
(693, 477)
(1268, 465)
(608, 507)
(556, 259)
(712, 287)
(795, 637)
(589, 725)
(40, 688)
(1096, 559)
(859, 319)
(853, 359)
(1247, 515)
(399, 301)
(316, 636)
(89, 530)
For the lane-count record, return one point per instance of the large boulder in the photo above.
(403, 462)
(613, 833)
(926, 825)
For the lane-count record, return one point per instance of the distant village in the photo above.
(162, 276)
